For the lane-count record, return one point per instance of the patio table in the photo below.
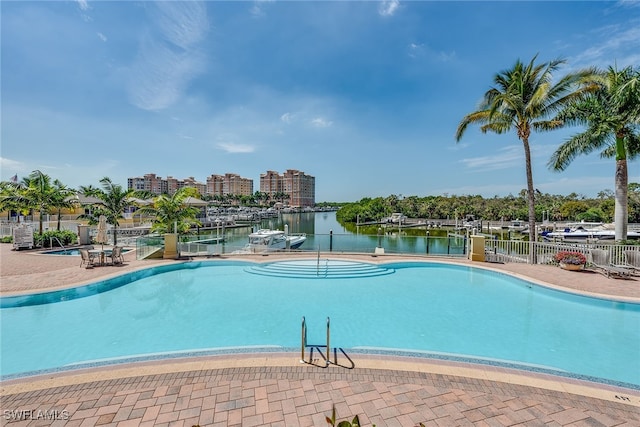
(101, 255)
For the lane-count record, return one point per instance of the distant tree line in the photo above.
(573, 207)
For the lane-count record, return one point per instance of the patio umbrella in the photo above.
(102, 237)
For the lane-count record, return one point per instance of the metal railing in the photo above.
(304, 344)
(506, 251)
(236, 240)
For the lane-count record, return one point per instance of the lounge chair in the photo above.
(632, 260)
(116, 255)
(601, 260)
(86, 258)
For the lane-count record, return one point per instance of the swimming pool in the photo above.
(427, 308)
(72, 252)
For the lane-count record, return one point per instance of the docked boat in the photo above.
(265, 240)
(587, 232)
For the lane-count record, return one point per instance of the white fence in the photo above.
(508, 251)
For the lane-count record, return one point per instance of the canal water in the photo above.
(326, 234)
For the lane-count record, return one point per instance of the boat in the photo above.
(587, 232)
(396, 218)
(265, 240)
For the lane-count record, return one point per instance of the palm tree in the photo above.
(611, 115)
(114, 200)
(171, 213)
(61, 198)
(38, 193)
(523, 98)
(10, 199)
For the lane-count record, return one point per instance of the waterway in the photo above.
(326, 234)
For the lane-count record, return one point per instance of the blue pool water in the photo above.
(417, 307)
(71, 252)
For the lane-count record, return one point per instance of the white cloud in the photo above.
(505, 158)
(10, 165)
(102, 37)
(287, 117)
(182, 23)
(232, 147)
(320, 122)
(624, 41)
(161, 73)
(83, 4)
(628, 3)
(415, 49)
(388, 7)
(257, 9)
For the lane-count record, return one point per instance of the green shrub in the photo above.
(53, 238)
(6, 239)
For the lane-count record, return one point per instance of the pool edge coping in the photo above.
(409, 364)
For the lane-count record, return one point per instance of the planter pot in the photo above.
(571, 267)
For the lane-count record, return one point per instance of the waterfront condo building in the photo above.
(219, 185)
(299, 187)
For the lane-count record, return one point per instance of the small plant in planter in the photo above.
(570, 260)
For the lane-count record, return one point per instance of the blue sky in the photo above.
(365, 96)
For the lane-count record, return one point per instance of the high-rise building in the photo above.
(235, 184)
(149, 182)
(271, 183)
(191, 182)
(299, 188)
(216, 185)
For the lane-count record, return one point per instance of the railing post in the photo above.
(303, 340)
(427, 241)
(328, 344)
(330, 240)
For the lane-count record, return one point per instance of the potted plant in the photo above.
(570, 260)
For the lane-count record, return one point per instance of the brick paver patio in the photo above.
(304, 396)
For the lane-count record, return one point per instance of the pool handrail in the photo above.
(303, 343)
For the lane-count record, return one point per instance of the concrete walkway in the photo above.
(277, 390)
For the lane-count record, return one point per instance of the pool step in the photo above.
(325, 268)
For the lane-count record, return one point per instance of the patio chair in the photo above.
(116, 255)
(601, 260)
(86, 258)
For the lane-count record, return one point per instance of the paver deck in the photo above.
(277, 390)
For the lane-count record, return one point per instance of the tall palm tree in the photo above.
(61, 198)
(523, 98)
(114, 200)
(171, 213)
(612, 117)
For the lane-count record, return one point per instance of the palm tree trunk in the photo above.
(531, 201)
(621, 202)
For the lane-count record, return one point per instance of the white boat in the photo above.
(396, 218)
(583, 231)
(265, 240)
